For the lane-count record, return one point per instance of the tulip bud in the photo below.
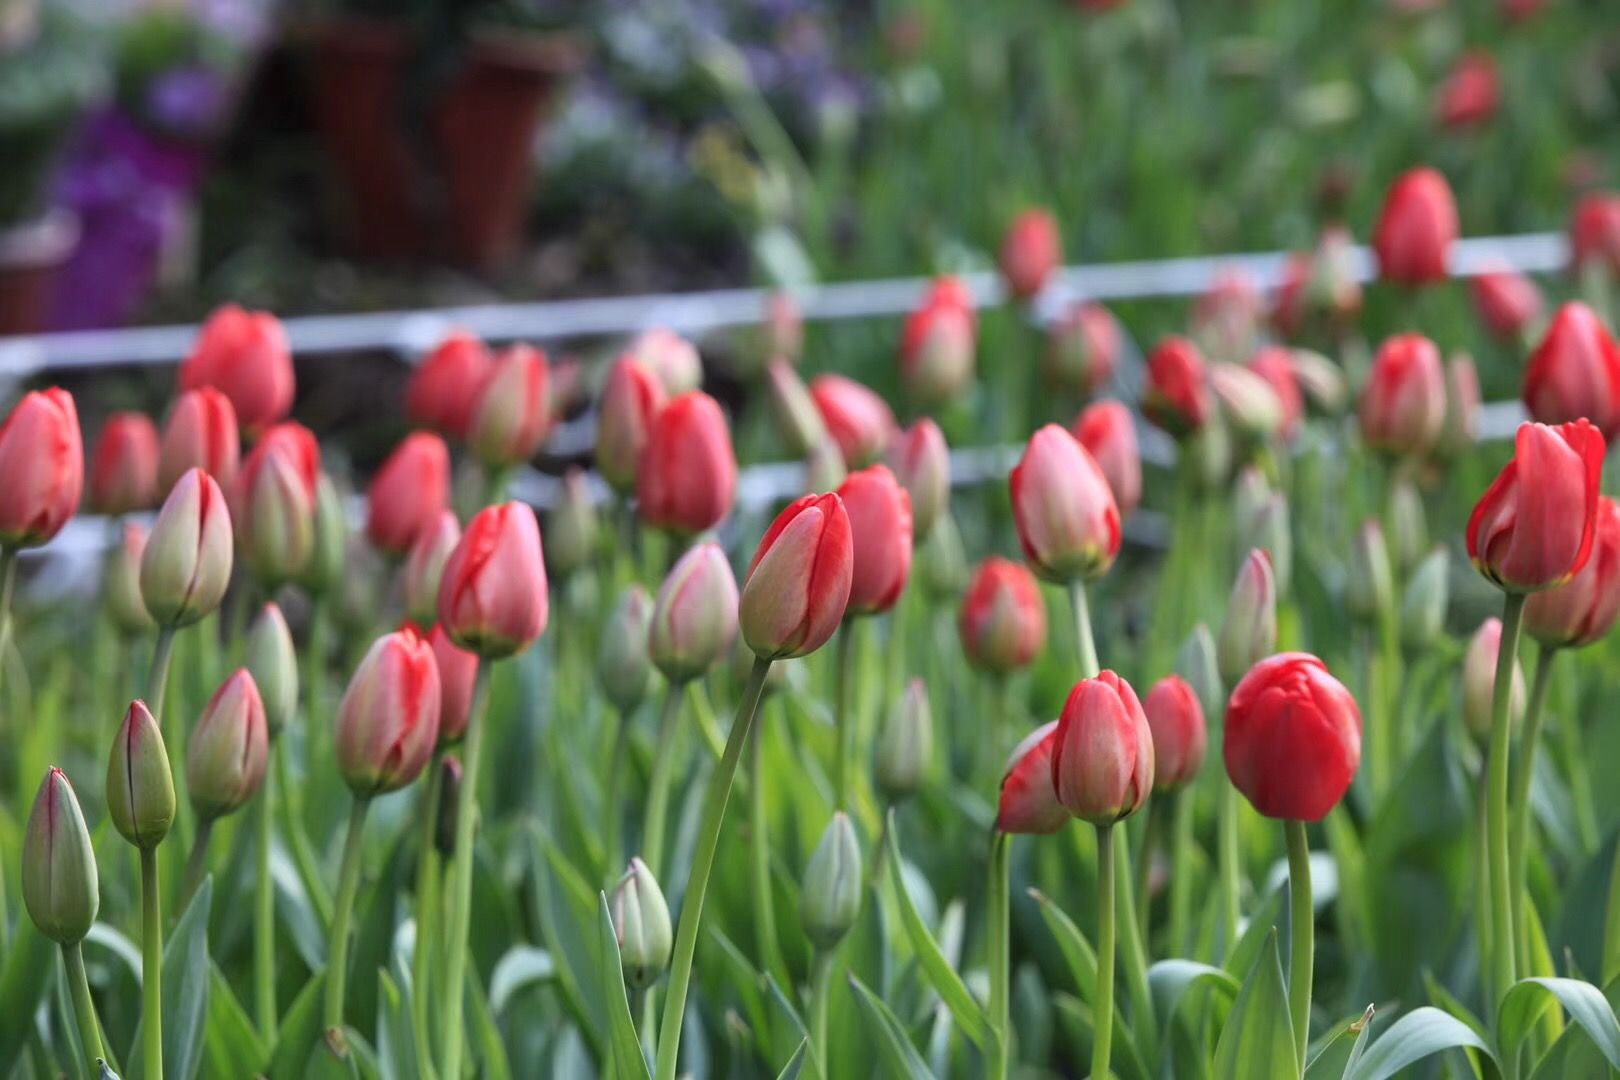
(1068, 522)
(1226, 317)
(278, 504)
(937, 347)
(641, 924)
(1209, 454)
(1403, 407)
(1534, 525)
(1269, 531)
(1293, 738)
(513, 413)
(1369, 581)
(1176, 720)
(187, 562)
(1177, 395)
(631, 399)
(1470, 92)
(140, 788)
(1508, 303)
(244, 355)
(492, 594)
(1197, 663)
(830, 897)
(1424, 600)
(571, 526)
(59, 883)
(458, 674)
(1082, 348)
(408, 493)
(859, 421)
(1108, 433)
(922, 464)
(623, 667)
(1416, 229)
(1102, 759)
(388, 721)
(1583, 609)
(42, 461)
(1247, 400)
(1030, 252)
(273, 663)
(1249, 630)
(1028, 802)
(880, 528)
(1594, 234)
(798, 421)
(1275, 366)
(1575, 372)
(121, 582)
(673, 359)
(325, 566)
(1320, 289)
(443, 390)
(1479, 681)
(227, 750)
(424, 567)
(688, 475)
(905, 746)
(798, 583)
(124, 465)
(824, 467)
(1461, 426)
(1250, 492)
(1003, 619)
(1408, 529)
(695, 618)
(1321, 380)
(444, 826)
(942, 564)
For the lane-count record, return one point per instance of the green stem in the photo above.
(1102, 1012)
(1086, 648)
(663, 772)
(1230, 871)
(759, 862)
(714, 812)
(1142, 886)
(1180, 870)
(1301, 935)
(613, 817)
(157, 679)
(1611, 924)
(264, 920)
(844, 749)
(151, 966)
(314, 681)
(337, 949)
(820, 992)
(461, 882)
(1519, 800)
(196, 862)
(1134, 954)
(8, 586)
(1000, 952)
(427, 912)
(1482, 886)
(84, 1009)
(1496, 802)
(707, 724)
(309, 871)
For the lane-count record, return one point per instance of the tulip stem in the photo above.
(427, 909)
(1611, 924)
(612, 815)
(196, 862)
(663, 771)
(1301, 935)
(84, 1009)
(1228, 857)
(1519, 827)
(264, 919)
(759, 861)
(303, 855)
(151, 965)
(1086, 648)
(8, 586)
(314, 680)
(1134, 954)
(462, 875)
(1181, 830)
(708, 840)
(1102, 1011)
(1000, 952)
(843, 659)
(820, 991)
(157, 679)
(337, 948)
(1496, 803)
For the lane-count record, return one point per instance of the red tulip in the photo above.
(1318, 286)
(687, 480)
(1226, 317)
(388, 721)
(631, 401)
(492, 594)
(1534, 525)
(1594, 233)
(276, 520)
(1416, 229)
(798, 584)
(1293, 738)
(1507, 302)
(512, 414)
(1177, 396)
(1082, 348)
(1102, 758)
(443, 390)
(424, 566)
(228, 748)
(41, 468)
(1108, 433)
(1276, 365)
(1030, 252)
(201, 434)
(408, 493)
(124, 465)
(694, 621)
(880, 529)
(186, 565)
(1028, 802)
(1575, 372)
(673, 359)
(859, 421)
(1470, 93)
(1068, 522)
(922, 464)
(1583, 609)
(1003, 619)
(245, 356)
(1176, 720)
(1403, 405)
(458, 670)
(937, 346)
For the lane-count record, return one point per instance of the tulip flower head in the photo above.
(492, 593)
(140, 787)
(388, 721)
(512, 415)
(228, 748)
(571, 525)
(1416, 229)
(798, 420)
(673, 359)
(121, 582)
(1197, 663)
(879, 513)
(1082, 348)
(905, 745)
(277, 518)
(245, 356)
(859, 421)
(1479, 681)
(1369, 580)
(409, 492)
(201, 433)
(641, 924)
(623, 668)
(921, 462)
(1293, 738)
(273, 663)
(124, 465)
(1533, 527)
(1424, 601)
(1107, 431)
(443, 390)
(1470, 93)
(1575, 372)
(1275, 365)
(1507, 301)
(1028, 802)
(1068, 522)
(687, 480)
(1030, 252)
(1102, 757)
(59, 884)
(1249, 630)
(1177, 395)
(830, 895)
(42, 463)
(1226, 317)
(1594, 234)
(325, 566)
(1403, 406)
(1247, 401)
(187, 562)
(937, 347)
(631, 399)
(694, 620)
(798, 583)
(1176, 720)
(458, 672)
(1003, 619)
(424, 567)
(1583, 609)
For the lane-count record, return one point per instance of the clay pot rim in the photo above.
(41, 242)
(553, 52)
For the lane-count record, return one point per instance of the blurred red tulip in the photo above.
(424, 567)
(1030, 252)
(1416, 229)
(408, 493)
(880, 531)
(1293, 738)
(1177, 396)
(859, 421)
(512, 414)
(1534, 525)
(1594, 233)
(1028, 803)
(687, 479)
(388, 721)
(922, 463)
(458, 671)
(1470, 93)
(443, 390)
(1226, 316)
(798, 583)
(1107, 431)
(492, 593)
(227, 748)
(41, 468)
(1319, 286)
(1082, 348)
(1275, 364)
(1507, 302)
(1068, 522)
(1102, 756)
(670, 357)
(631, 400)
(1575, 372)
(244, 355)
(276, 498)
(1003, 619)
(1404, 402)
(1176, 720)
(1583, 609)
(201, 433)
(124, 465)
(937, 345)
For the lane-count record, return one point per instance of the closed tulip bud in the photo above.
(324, 570)
(42, 461)
(922, 464)
(424, 567)
(623, 668)
(858, 420)
(124, 465)
(121, 583)
(694, 620)
(1209, 453)
(937, 348)
(670, 357)
(388, 721)
(228, 748)
(905, 746)
(1575, 372)
(1250, 492)
(458, 672)
(1177, 395)
(1424, 600)
(688, 476)
(1321, 381)
(880, 527)
(1479, 681)
(1196, 662)
(1534, 526)
(941, 563)
(1269, 531)
(513, 413)
(59, 883)
(1470, 93)
(1275, 365)
(1508, 303)
(1247, 400)
(140, 788)
(631, 398)
(1369, 580)
(201, 433)
(245, 356)
(443, 390)
(1030, 252)
(571, 525)
(1408, 527)
(278, 504)
(492, 594)
(798, 421)
(444, 826)
(824, 467)
(1319, 288)
(641, 924)
(1068, 522)
(1416, 229)
(797, 587)
(1403, 406)
(1461, 426)
(187, 562)
(408, 493)
(1226, 316)
(830, 896)
(1176, 720)
(1082, 348)
(1293, 738)
(273, 663)
(1583, 609)
(1102, 759)
(783, 327)
(1028, 803)
(1594, 234)
(1249, 630)
(1107, 431)
(1003, 619)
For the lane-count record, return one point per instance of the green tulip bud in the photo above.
(905, 746)
(1479, 681)
(641, 923)
(1249, 630)
(830, 897)
(1250, 492)
(59, 883)
(798, 421)
(1269, 531)
(941, 560)
(1322, 382)
(622, 665)
(1196, 662)
(694, 619)
(228, 748)
(325, 566)
(1210, 451)
(1408, 531)
(1369, 586)
(140, 787)
(186, 564)
(571, 527)
(121, 585)
(1423, 604)
(273, 662)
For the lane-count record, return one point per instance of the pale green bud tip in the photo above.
(1424, 601)
(641, 922)
(622, 665)
(59, 883)
(905, 744)
(140, 787)
(272, 660)
(831, 898)
(1249, 630)
(1369, 586)
(1196, 663)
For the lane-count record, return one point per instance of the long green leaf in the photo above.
(185, 993)
(1338, 1051)
(1170, 980)
(795, 1064)
(231, 1045)
(1415, 1036)
(896, 1054)
(621, 1028)
(300, 1028)
(519, 967)
(488, 1049)
(1523, 1005)
(22, 987)
(1257, 1042)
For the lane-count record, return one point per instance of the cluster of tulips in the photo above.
(235, 539)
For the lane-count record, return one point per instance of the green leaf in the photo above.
(231, 1044)
(896, 1054)
(1257, 1042)
(1170, 980)
(1415, 1036)
(396, 1048)
(566, 917)
(300, 1029)
(1339, 1050)
(1523, 1005)
(486, 1045)
(621, 1028)
(522, 966)
(795, 1064)
(1082, 961)
(21, 987)
(1252, 939)
(185, 992)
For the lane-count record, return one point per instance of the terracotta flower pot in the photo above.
(30, 256)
